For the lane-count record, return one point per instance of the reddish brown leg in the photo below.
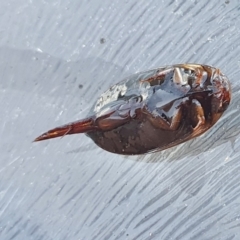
(82, 126)
(169, 120)
(197, 112)
(196, 68)
(109, 120)
(158, 77)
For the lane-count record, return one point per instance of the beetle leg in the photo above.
(113, 120)
(158, 77)
(105, 121)
(198, 113)
(176, 119)
(199, 75)
(168, 120)
(120, 115)
(82, 126)
(196, 68)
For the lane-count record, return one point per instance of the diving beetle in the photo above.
(154, 110)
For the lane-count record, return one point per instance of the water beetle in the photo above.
(154, 110)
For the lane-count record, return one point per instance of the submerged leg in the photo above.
(168, 120)
(109, 120)
(158, 78)
(197, 114)
(198, 69)
(82, 126)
